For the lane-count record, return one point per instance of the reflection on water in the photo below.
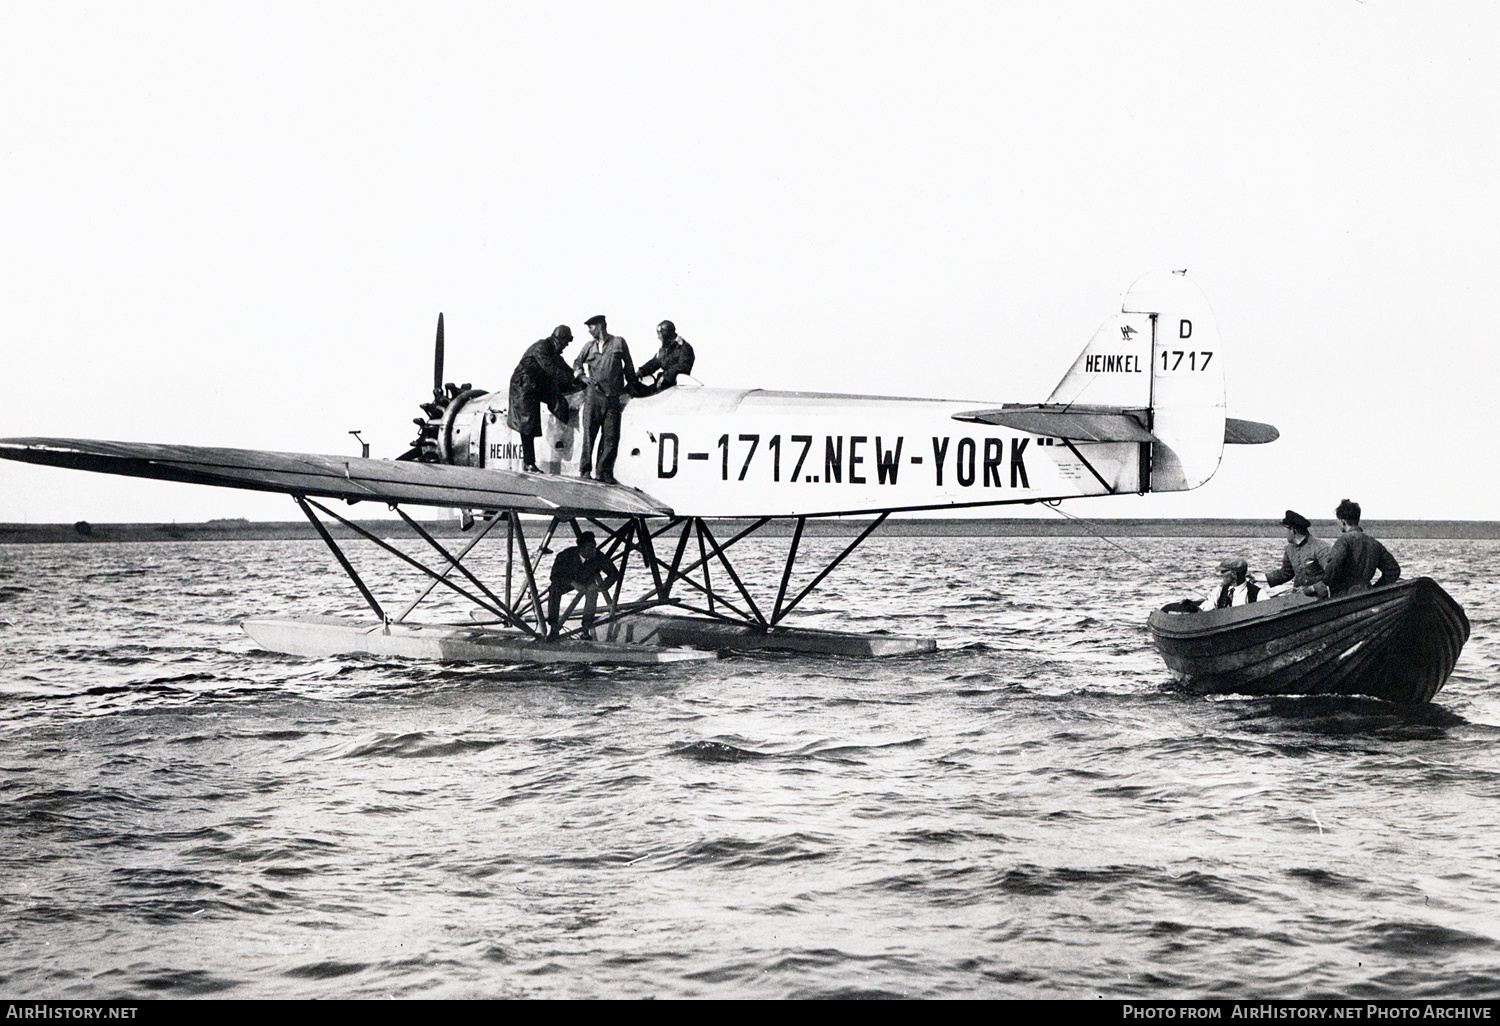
(1032, 811)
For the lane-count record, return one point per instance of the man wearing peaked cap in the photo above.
(609, 374)
(1304, 558)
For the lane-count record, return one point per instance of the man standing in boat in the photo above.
(1355, 557)
(1305, 556)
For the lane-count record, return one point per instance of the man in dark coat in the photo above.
(673, 358)
(1302, 561)
(606, 368)
(541, 377)
(581, 568)
(1355, 557)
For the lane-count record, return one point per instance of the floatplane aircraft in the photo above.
(1140, 410)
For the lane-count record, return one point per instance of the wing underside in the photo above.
(1075, 423)
(1079, 423)
(337, 477)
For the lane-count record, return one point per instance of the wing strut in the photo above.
(454, 563)
(387, 546)
(677, 582)
(343, 559)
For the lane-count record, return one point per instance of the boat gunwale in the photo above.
(1188, 627)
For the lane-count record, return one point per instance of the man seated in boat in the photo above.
(1235, 588)
(1355, 557)
(1303, 560)
(582, 568)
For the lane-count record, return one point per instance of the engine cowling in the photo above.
(466, 427)
(433, 427)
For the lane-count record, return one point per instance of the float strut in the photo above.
(729, 567)
(786, 574)
(648, 553)
(387, 546)
(536, 602)
(708, 587)
(510, 555)
(830, 567)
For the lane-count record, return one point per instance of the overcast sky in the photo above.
(235, 223)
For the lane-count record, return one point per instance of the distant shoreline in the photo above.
(248, 530)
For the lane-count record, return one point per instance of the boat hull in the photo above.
(1398, 642)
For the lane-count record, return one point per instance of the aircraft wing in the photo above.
(337, 477)
(1102, 423)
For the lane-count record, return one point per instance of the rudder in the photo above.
(1187, 380)
(1160, 360)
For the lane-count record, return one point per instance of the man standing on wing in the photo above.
(541, 377)
(1355, 557)
(1305, 556)
(609, 375)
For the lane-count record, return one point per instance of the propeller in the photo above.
(437, 360)
(427, 447)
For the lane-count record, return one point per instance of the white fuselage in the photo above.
(719, 452)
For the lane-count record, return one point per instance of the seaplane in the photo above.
(1141, 410)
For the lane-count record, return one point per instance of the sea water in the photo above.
(1033, 811)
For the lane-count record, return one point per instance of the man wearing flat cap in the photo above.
(1355, 557)
(1304, 558)
(541, 377)
(1235, 588)
(609, 375)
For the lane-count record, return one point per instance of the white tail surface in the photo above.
(1160, 355)
(1114, 369)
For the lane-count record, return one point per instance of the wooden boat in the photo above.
(1397, 642)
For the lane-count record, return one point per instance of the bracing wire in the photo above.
(1056, 508)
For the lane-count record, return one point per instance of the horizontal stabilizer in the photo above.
(1076, 423)
(337, 477)
(1248, 432)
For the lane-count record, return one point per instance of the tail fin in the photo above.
(1160, 359)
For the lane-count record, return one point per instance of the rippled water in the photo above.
(1031, 812)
